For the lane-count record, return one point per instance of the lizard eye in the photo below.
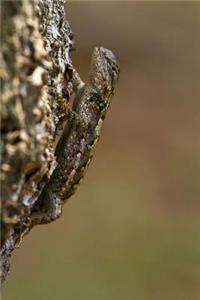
(115, 74)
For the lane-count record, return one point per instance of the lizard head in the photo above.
(104, 71)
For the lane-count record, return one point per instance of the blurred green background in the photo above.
(132, 230)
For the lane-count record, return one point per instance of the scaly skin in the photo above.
(80, 136)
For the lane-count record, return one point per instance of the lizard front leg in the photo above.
(78, 141)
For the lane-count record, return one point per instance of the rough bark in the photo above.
(36, 83)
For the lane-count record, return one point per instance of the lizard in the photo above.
(77, 143)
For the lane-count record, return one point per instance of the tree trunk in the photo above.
(36, 83)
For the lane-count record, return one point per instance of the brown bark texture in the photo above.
(36, 83)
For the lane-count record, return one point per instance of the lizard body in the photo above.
(80, 136)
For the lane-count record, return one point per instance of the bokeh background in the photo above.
(132, 230)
